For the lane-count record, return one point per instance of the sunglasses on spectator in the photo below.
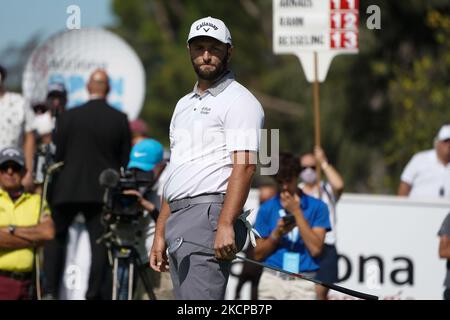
(14, 167)
(306, 167)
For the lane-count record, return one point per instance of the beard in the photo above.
(211, 75)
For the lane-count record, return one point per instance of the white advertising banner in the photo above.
(388, 247)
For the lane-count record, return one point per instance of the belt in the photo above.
(20, 276)
(284, 276)
(179, 204)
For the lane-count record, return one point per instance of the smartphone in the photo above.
(288, 219)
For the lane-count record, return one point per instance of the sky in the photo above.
(21, 19)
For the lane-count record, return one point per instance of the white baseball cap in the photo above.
(210, 27)
(444, 133)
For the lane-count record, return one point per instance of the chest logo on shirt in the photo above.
(205, 110)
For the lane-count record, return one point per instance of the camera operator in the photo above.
(146, 158)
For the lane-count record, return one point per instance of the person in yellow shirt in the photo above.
(22, 227)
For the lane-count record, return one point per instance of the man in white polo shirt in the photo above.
(427, 175)
(16, 126)
(214, 138)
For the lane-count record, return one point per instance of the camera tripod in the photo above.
(126, 262)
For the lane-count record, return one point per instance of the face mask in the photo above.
(308, 176)
(43, 123)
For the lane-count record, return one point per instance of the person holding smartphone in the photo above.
(292, 226)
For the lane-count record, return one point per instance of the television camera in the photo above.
(126, 224)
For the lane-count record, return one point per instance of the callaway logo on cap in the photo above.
(210, 27)
(12, 154)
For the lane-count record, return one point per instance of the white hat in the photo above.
(210, 27)
(444, 133)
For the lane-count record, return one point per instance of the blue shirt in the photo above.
(315, 212)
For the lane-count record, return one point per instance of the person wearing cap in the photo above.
(214, 137)
(44, 124)
(16, 126)
(89, 139)
(147, 156)
(427, 174)
(23, 226)
(56, 98)
(47, 113)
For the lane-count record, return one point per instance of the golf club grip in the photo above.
(353, 293)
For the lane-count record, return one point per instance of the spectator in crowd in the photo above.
(329, 192)
(267, 188)
(16, 126)
(47, 113)
(56, 99)
(23, 226)
(139, 131)
(44, 126)
(292, 226)
(89, 139)
(444, 252)
(427, 174)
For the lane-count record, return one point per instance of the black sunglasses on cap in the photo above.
(13, 165)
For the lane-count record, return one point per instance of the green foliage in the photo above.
(420, 95)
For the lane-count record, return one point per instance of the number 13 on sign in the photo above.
(344, 40)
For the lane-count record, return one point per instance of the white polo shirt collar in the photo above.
(221, 84)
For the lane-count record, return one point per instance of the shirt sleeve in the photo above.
(243, 121)
(29, 116)
(262, 224)
(445, 228)
(409, 172)
(322, 217)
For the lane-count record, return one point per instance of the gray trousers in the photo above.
(196, 273)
